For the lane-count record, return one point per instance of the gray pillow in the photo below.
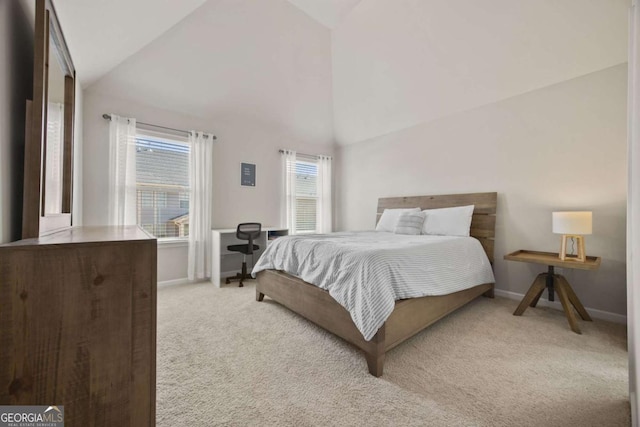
(410, 223)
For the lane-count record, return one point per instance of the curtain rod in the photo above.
(108, 117)
(281, 151)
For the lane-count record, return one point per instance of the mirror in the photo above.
(54, 134)
(48, 162)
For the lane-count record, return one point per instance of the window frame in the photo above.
(309, 160)
(171, 139)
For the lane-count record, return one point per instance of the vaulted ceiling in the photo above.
(328, 12)
(376, 66)
(102, 34)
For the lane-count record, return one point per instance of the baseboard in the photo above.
(230, 273)
(597, 314)
(634, 408)
(173, 282)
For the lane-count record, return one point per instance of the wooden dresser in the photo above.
(78, 325)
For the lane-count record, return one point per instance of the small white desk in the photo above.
(225, 263)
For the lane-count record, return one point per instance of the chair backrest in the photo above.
(249, 231)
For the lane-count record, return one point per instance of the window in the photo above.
(307, 192)
(306, 196)
(162, 184)
(184, 201)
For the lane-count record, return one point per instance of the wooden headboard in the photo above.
(483, 224)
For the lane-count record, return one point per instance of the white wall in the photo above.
(257, 75)
(525, 98)
(400, 63)
(16, 86)
(558, 148)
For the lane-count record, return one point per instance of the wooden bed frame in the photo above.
(409, 316)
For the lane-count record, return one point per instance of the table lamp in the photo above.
(572, 225)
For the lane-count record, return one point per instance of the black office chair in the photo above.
(246, 231)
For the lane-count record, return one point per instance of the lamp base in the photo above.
(581, 257)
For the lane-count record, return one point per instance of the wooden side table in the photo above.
(554, 282)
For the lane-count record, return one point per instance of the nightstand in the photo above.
(554, 282)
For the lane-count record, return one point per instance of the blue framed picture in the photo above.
(248, 174)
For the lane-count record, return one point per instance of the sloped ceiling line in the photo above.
(327, 12)
(102, 35)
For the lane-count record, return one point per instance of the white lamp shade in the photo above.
(579, 223)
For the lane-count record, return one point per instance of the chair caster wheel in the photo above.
(241, 285)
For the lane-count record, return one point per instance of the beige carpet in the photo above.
(225, 359)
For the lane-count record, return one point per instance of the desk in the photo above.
(552, 282)
(225, 263)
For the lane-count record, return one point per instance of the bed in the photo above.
(407, 316)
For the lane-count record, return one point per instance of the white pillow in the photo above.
(410, 223)
(448, 221)
(389, 219)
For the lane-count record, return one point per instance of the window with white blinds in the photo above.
(306, 195)
(162, 184)
(306, 203)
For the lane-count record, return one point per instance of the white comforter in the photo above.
(366, 272)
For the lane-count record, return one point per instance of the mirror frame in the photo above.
(35, 222)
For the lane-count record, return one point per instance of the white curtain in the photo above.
(289, 191)
(122, 171)
(200, 205)
(53, 161)
(324, 212)
(633, 210)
